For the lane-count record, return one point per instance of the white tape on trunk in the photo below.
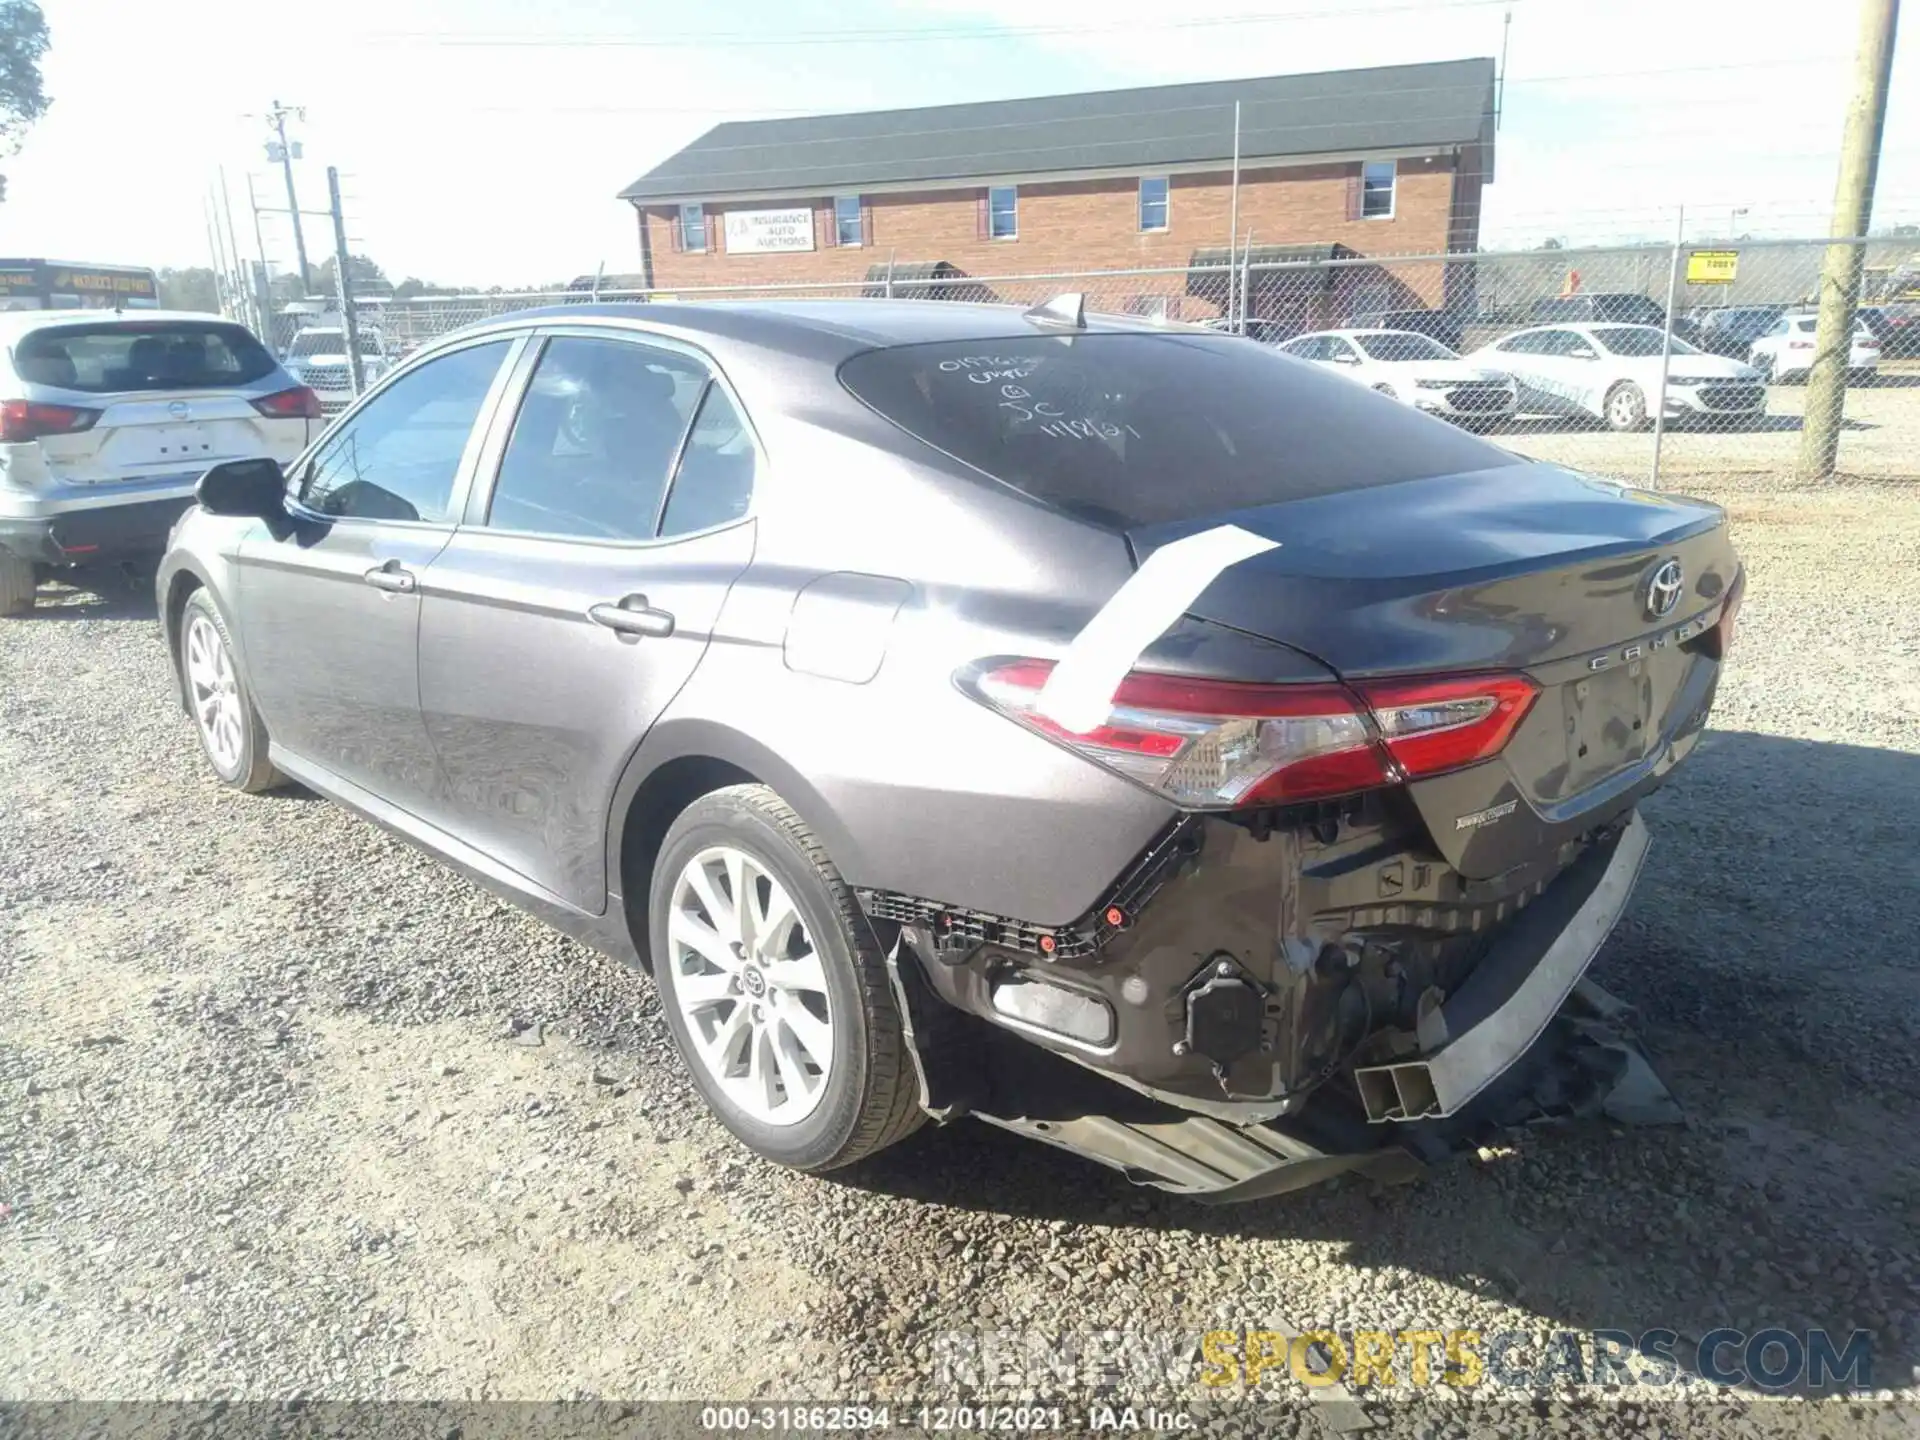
(1079, 693)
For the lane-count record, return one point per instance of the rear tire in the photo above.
(1626, 407)
(785, 1018)
(232, 735)
(17, 584)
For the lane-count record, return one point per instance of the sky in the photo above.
(483, 142)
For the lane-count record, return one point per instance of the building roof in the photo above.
(1336, 112)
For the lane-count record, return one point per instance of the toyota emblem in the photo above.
(1663, 590)
(179, 410)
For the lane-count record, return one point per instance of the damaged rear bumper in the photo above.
(1522, 1037)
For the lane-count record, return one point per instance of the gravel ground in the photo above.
(290, 1110)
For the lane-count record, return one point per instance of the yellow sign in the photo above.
(1712, 267)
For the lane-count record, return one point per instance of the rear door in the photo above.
(174, 397)
(579, 593)
(329, 603)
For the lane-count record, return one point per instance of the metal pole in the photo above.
(348, 320)
(278, 118)
(213, 247)
(1233, 212)
(598, 271)
(1666, 349)
(890, 255)
(1826, 396)
(239, 265)
(1246, 279)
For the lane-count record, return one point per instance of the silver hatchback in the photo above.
(107, 420)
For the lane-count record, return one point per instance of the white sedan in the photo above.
(1786, 351)
(1612, 373)
(1418, 369)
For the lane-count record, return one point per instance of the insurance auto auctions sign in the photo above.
(767, 232)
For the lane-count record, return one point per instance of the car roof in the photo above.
(829, 327)
(20, 322)
(1356, 332)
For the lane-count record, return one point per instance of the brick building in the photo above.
(1387, 161)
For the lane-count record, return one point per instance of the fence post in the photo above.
(598, 271)
(1666, 349)
(1246, 279)
(889, 289)
(349, 322)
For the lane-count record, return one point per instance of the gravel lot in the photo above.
(288, 1109)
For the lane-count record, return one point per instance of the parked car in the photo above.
(1446, 326)
(1731, 330)
(1611, 373)
(890, 680)
(110, 418)
(1896, 327)
(1413, 368)
(1267, 332)
(318, 356)
(1614, 307)
(1785, 353)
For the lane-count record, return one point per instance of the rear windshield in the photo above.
(1129, 430)
(124, 355)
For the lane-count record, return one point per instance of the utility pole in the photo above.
(1852, 215)
(349, 322)
(277, 118)
(1233, 218)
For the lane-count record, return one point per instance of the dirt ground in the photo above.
(287, 1109)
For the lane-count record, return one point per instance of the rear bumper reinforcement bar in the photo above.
(1514, 992)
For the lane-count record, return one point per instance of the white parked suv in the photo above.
(1416, 368)
(1786, 351)
(317, 357)
(108, 420)
(1612, 373)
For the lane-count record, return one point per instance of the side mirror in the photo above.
(250, 489)
(1583, 353)
(1346, 359)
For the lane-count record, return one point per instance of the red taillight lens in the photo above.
(1722, 633)
(23, 420)
(299, 403)
(1432, 726)
(1216, 745)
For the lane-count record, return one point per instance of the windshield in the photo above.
(1403, 345)
(1634, 340)
(125, 355)
(1127, 430)
(329, 342)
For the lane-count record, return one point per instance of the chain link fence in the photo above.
(1647, 362)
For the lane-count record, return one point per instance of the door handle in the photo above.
(391, 576)
(633, 616)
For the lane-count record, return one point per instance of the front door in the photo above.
(577, 598)
(329, 603)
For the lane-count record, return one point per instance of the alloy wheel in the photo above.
(216, 694)
(750, 985)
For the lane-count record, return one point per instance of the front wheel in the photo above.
(774, 986)
(231, 732)
(1626, 407)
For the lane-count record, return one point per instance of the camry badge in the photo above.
(1663, 590)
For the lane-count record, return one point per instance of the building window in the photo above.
(847, 226)
(1153, 203)
(693, 227)
(1003, 212)
(1376, 190)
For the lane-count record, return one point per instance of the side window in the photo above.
(1527, 343)
(1305, 348)
(398, 457)
(594, 440)
(1339, 350)
(715, 480)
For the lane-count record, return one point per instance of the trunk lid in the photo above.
(159, 434)
(1534, 569)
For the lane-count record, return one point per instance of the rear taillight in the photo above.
(1222, 745)
(23, 420)
(299, 403)
(1720, 638)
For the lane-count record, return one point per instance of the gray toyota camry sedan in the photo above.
(1117, 731)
